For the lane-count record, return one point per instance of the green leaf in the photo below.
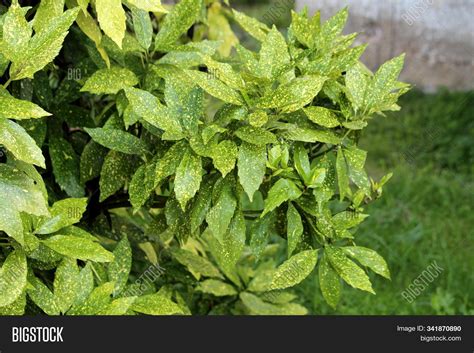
(63, 213)
(224, 72)
(167, 165)
(150, 252)
(47, 11)
(201, 204)
(119, 269)
(97, 300)
(4, 62)
(274, 56)
(383, 82)
(116, 171)
(43, 47)
(220, 215)
(92, 159)
(370, 258)
(148, 5)
(42, 296)
(260, 231)
(258, 118)
(66, 284)
(329, 283)
(252, 166)
(322, 116)
(228, 251)
(317, 177)
(257, 306)
(348, 219)
(294, 95)
(90, 27)
(111, 16)
(12, 108)
(249, 60)
(86, 279)
(117, 140)
(19, 143)
(177, 22)
(302, 164)
(346, 59)
(65, 164)
(224, 156)
(332, 28)
(283, 190)
(195, 263)
(16, 33)
(21, 192)
(355, 159)
(311, 135)
(294, 228)
(11, 223)
(110, 81)
(143, 27)
(188, 178)
(142, 185)
(355, 124)
(216, 288)
(215, 87)
(155, 304)
(13, 277)
(304, 29)
(185, 56)
(348, 270)
(17, 308)
(342, 177)
(148, 107)
(78, 248)
(185, 102)
(357, 82)
(255, 28)
(210, 131)
(78, 232)
(120, 306)
(220, 30)
(255, 135)
(294, 270)
(83, 4)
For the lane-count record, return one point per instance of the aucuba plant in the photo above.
(152, 164)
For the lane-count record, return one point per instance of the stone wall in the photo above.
(437, 35)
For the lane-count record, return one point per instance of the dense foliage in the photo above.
(152, 164)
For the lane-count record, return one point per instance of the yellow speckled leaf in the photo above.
(111, 16)
(110, 81)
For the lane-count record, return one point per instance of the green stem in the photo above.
(99, 117)
(7, 83)
(246, 98)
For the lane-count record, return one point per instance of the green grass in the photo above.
(422, 217)
(425, 214)
(436, 129)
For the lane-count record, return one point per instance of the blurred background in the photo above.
(426, 213)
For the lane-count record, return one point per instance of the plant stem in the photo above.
(7, 83)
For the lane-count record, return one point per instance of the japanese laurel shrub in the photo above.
(152, 164)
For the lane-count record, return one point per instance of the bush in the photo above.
(159, 167)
